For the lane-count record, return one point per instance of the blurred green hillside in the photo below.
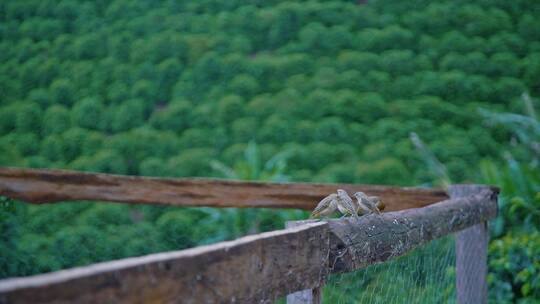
(329, 91)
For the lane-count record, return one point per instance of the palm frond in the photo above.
(225, 170)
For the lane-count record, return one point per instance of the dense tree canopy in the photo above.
(166, 87)
(213, 75)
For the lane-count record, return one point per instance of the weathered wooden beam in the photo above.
(471, 255)
(306, 296)
(47, 186)
(252, 269)
(358, 242)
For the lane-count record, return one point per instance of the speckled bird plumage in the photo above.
(326, 206)
(345, 203)
(368, 204)
(340, 201)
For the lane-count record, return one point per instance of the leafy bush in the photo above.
(515, 268)
(101, 86)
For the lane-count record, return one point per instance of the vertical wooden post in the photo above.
(308, 296)
(471, 254)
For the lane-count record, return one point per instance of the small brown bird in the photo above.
(345, 204)
(378, 203)
(368, 204)
(341, 202)
(326, 206)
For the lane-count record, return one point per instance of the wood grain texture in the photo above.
(48, 186)
(471, 255)
(306, 296)
(370, 239)
(471, 264)
(253, 269)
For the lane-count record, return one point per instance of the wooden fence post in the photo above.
(471, 253)
(307, 296)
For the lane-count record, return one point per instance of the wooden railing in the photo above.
(47, 186)
(259, 268)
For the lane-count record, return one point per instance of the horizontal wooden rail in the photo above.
(47, 186)
(256, 268)
(253, 269)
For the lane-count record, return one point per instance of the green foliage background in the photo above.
(330, 91)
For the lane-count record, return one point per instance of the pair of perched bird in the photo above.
(342, 202)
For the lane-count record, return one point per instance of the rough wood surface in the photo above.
(471, 255)
(253, 269)
(306, 296)
(47, 186)
(370, 239)
(471, 264)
